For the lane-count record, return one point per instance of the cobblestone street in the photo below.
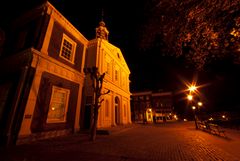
(161, 142)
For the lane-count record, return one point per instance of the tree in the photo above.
(97, 82)
(202, 32)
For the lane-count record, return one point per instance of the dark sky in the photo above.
(150, 70)
(123, 19)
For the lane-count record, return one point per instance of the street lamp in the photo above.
(200, 104)
(195, 117)
(192, 88)
(189, 97)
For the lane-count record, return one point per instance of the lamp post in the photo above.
(192, 89)
(190, 99)
(200, 104)
(195, 116)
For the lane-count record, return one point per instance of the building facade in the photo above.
(43, 86)
(108, 59)
(152, 107)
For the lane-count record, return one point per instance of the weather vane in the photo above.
(102, 14)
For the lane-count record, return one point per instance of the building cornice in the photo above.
(52, 11)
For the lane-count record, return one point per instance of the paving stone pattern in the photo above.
(162, 142)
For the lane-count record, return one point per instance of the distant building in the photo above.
(43, 90)
(152, 107)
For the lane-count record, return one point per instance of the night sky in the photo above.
(150, 68)
(125, 22)
(122, 18)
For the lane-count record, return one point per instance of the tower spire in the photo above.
(102, 15)
(102, 31)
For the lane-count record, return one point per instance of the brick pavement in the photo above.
(163, 142)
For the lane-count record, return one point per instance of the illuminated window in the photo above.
(58, 105)
(106, 108)
(68, 48)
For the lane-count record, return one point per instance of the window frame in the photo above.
(73, 51)
(67, 92)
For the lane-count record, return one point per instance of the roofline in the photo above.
(67, 22)
(151, 93)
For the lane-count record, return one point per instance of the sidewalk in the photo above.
(136, 142)
(47, 149)
(231, 144)
(110, 130)
(115, 129)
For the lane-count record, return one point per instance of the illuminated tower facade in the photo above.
(115, 109)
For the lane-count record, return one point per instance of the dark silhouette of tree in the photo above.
(200, 31)
(97, 82)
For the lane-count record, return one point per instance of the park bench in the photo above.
(202, 125)
(216, 129)
(211, 128)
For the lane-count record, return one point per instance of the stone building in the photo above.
(43, 86)
(152, 107)
(109, 59)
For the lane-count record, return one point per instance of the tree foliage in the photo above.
(200, 31)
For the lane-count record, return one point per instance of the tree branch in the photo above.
(106, 92)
